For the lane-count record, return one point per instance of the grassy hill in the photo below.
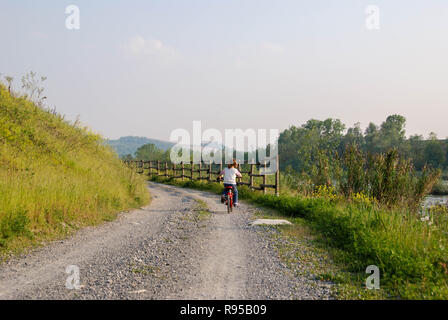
(56, 177)
(128, 145)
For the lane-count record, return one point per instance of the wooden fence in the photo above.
(206, 171)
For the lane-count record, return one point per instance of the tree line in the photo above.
(300, 147)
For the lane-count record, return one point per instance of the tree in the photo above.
(151, 152)
(417, 151)
(434, 153)
(316, 142)
(127, 157)
(392, 132)
(354, 136)
(371, 138)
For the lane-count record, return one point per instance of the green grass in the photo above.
(56, 177)
(308, 249)
(412, 255)
(202, 210)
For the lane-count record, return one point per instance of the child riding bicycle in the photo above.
(230, 173)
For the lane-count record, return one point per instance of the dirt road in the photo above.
(168, 250)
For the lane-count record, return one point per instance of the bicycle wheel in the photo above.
(229, 202)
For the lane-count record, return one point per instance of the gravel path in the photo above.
(168, 250)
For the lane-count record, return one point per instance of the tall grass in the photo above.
(55, 176)
(391, 180)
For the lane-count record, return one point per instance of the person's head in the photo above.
(234, 164)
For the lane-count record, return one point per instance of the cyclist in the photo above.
(230, 173)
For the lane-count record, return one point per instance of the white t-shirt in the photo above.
(230, 175)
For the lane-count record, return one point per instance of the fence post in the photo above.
(149, 169)
(158, 167)
(142, 169)
(251, 178)
(264, 178)
(240, 168)
(220, 169)
(174, 170)
(166, 169)
(192, 167)
(277, 179)
(200, 170)
(183, 170)
(210, 171)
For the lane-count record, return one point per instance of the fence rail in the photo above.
(204, 171)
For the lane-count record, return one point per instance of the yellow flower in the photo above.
(361, 198)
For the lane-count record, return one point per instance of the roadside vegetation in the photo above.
(306, 253)
(55, 176)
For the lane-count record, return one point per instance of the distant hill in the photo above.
(130, 144)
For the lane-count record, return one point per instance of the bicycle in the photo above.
(228, 194)
(229, 199)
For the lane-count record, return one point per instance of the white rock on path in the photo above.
(270, 222)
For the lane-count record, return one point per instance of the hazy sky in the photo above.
(147, 67)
